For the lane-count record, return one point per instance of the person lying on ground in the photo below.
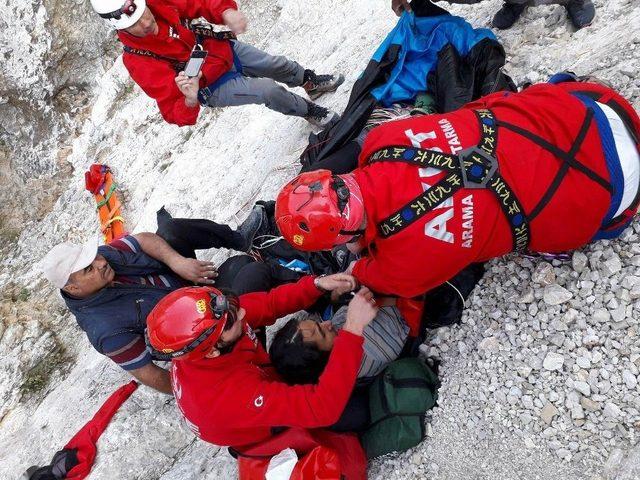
(548, 169)
(301, 348)
(159, 39)
(580, 12)
(221, 376)
(110, 289)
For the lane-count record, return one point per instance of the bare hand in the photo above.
(196, 271)
(399, 6)
(235, 20)
(361, 311)
(189, 87)
(349, 269)
(337, 283)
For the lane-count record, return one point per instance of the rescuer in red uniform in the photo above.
(159, 37)
(221, 377)
(546, 170)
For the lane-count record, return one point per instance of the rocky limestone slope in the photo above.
(540, 380)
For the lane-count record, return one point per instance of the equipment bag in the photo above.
(322, 454)
(99, 181)
(398, 401)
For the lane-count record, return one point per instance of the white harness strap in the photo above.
(629, 158)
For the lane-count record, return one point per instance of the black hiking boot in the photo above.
(320, 116)
(581, 13)
(250, 227)
(507, 15)
(316, 85)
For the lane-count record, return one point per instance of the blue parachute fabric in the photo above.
(421, 38)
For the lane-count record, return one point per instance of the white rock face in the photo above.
(502, 414)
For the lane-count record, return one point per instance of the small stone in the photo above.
(590, 340)
(527, 296)
(583, 362)
(611, 266)
(524, 370)
(619, 314)
(489, 344)
(557, 339)
(553, 361)
(612, 411)
(612, 466)
(416, 459)
(577, 413)
(579, 261)
(556, 295)
(589, 404)
(548, 412)
(583, 388)
(544, 274)
(529, 443)
(629, 379)
(630, 281)
(601, 315)
(515, 392)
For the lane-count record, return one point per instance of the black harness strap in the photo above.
(473, 168)
(178, 65)
(206, 30)
(558, 153)
(564, 168)
(200, 30)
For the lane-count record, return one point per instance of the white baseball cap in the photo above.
(67, 258)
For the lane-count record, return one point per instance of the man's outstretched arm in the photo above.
(153, 376)
(196, 271)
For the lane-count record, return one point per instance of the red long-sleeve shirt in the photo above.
(156, 77)
(471, 227)
(235, 399)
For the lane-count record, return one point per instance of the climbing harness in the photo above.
(201, 30)
(477, 168)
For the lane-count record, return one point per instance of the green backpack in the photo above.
(398, 400)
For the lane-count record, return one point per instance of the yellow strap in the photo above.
(110, 221)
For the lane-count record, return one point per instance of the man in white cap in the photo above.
(111, 288)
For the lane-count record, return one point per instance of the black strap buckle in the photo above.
(477, 167)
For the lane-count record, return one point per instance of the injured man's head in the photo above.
(300, 350)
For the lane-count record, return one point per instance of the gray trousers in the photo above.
(257, 84)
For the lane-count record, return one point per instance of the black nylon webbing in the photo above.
(558, 153)
(199, 30)
(564, 168)
(473, 168)
(178, 65)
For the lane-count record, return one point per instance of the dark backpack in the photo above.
(398, 401)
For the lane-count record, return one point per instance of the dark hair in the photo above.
(233, 302)
(297, 362)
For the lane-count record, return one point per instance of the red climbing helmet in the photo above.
(319, 210)
(188, 322)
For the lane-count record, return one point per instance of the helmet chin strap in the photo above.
(360, 231)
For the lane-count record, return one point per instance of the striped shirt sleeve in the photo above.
(384, 339)
(127, 243)
(128, 350)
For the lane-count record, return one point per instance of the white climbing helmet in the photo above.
(120, 13)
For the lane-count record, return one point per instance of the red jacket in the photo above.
(471, 227)
(235, 399)
(156, 77)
